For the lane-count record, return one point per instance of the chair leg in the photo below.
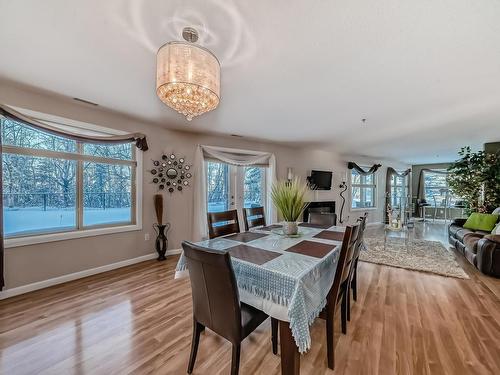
(235, 362)
(347, 293)
(274, 335)
(354, 283)
(197, 328)
(330, 347)
(343, 308)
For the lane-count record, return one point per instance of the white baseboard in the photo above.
(78, 275)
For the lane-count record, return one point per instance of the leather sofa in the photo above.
(480, 248)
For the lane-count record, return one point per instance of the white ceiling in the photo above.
(425, 74)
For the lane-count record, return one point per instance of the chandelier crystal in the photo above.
(188, 77)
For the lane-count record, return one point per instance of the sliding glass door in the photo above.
(230, 187)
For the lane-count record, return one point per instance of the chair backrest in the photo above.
(322, 218)
(216, 302)
(254, 217)
(353, 244)
(348, 243)
(223, 223)
(362, 226)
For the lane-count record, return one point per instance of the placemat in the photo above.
(245, 236)
(252, 254)
(270, 227)
(319, 226)
(330, 235)
(313, 249)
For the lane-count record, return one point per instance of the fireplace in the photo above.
(326, 207)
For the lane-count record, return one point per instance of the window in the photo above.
(217, 187)
(254, 183)
(52, 184)
(398, 191)
(363, 190)
(230, 187)
(436, 189)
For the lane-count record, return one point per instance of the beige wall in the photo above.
(330, 161)
(29, 264)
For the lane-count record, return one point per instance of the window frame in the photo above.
(361, 186)
(81, 230)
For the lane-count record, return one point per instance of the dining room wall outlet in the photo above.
(146, 237)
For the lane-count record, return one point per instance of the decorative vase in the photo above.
(161, 243)
(290, 228)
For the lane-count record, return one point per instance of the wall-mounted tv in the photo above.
(320, 180)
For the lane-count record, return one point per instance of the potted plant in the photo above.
(475, 178)
(288, 197)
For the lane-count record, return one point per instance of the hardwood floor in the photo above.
(138, 320)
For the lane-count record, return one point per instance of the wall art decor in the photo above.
(161, 243)
(171, 173)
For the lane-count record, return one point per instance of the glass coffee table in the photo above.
(402, 232)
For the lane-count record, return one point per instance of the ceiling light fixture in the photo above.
(188, 76)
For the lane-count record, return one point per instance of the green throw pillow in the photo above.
(484, 222)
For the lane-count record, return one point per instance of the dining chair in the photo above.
(222, 223)
(254, 217)
(339, 290)
(336, 294)
(322, 218)
(216, 302)
(423, 204)
(353, 274)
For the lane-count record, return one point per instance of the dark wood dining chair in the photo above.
(222, 223)
(322, 218)
(216, 302)
(353, 273)
(338, 291)
(254, 217)
(336, 294)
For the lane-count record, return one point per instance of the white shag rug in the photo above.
(420, 255)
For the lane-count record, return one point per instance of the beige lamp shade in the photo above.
(188, 78)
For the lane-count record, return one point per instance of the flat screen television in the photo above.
(320, 180)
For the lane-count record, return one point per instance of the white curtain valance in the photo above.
(69, 132)
(236, 157)
(233, 157)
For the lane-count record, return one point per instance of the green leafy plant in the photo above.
(476, 178)
(288, 197)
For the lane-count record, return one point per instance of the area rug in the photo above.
(420, 255)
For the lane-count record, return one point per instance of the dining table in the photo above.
(287, 277)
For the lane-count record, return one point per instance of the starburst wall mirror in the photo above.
(171, 173)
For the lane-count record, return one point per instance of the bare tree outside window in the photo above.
(40, 182)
